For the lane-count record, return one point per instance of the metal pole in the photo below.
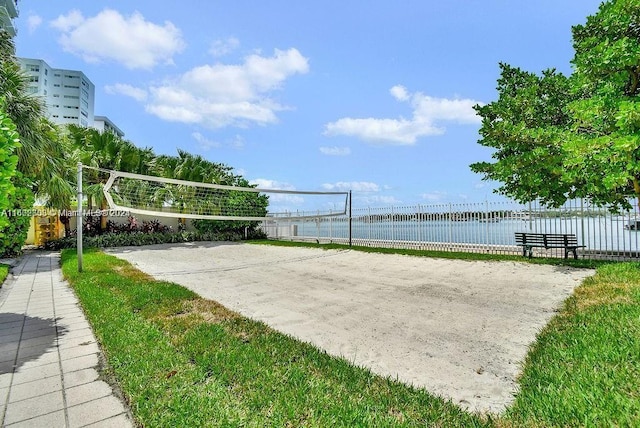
(350, 221)
(582, 221)
(79, 218)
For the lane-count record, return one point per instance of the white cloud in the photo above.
(279, 202)
(264, 183)
(370, 200)
(237, 142)
(222, 95)
(68, 22)
(384, 131)
(428, 115)
(204, 142)
(356, 186)
(109, 36)
(33, 22)
(137, 94)
(436, 196)
(399, 92)
(222, 47)
(335, 151)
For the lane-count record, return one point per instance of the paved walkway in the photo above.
(49, 358)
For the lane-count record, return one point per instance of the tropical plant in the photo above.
(13, 235)
(9, 142)
(558, 137)
(39, 155)
(102, 151)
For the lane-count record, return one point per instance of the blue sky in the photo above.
(370, 96)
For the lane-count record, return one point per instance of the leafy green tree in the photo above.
(524, 126)
(9, 142)
(603, 144)
(13, 236)
(558, 137)
(15, 195)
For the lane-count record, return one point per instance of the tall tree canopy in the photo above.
(558, 137)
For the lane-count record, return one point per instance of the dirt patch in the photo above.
(460, 329)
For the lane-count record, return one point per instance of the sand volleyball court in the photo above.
(459, 329)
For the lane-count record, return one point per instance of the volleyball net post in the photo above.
(79, 219)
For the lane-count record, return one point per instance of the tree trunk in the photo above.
(103, 217)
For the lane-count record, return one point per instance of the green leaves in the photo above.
(560, 137)
(9, 142)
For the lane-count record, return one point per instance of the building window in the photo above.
(56, 75)
(46, 71)
(33, 78)
(72, 87)
(34, 68)
(73, 97)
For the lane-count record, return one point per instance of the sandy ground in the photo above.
(460, 329)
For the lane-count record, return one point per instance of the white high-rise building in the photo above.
(8, 11)
(102, 123)
(68, 94)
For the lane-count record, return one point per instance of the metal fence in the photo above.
(487, 227)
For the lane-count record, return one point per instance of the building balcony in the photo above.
(6, 21)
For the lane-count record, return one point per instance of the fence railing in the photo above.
(487, 227)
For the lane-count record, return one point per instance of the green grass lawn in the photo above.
(580, 263)
(185, 361)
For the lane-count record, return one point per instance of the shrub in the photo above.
(14, 234)
(248, 228)
(138, 238)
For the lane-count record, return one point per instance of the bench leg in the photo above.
(573, 250)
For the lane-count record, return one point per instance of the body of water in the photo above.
(605, 233)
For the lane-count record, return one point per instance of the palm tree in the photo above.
(106, 151)
(40, 155)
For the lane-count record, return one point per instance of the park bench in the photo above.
(548, 240)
